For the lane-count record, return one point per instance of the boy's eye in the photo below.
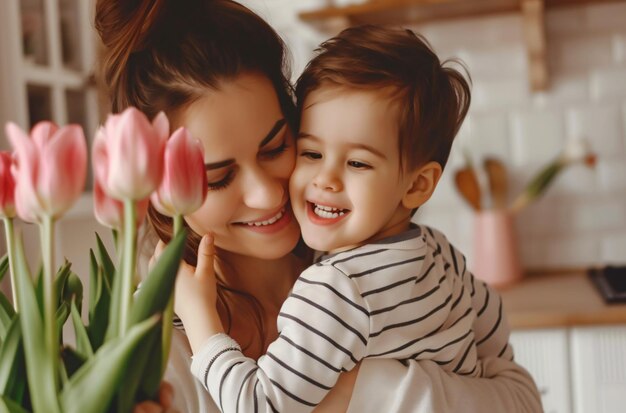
(222, 183)
(358, 165)
(311, 155)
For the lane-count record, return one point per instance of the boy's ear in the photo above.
(422, 185)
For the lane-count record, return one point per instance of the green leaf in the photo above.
(73, 291)
(72, 360)
(9, 355)
(61, 279)
(40, 369)
(9, 406)
(91, 388)
(105, 261)
(137, 370)
(4, 266)
(95, 283)
(99, 320)
(61, 316)
(156, 290)
(83, 345)
(6, 315)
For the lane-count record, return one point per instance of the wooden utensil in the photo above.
(498, 182)
(467, 184)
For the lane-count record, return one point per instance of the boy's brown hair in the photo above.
(432, 100)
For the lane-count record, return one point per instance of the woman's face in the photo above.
(249, 156)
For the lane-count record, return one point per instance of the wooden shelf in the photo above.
(420, 11)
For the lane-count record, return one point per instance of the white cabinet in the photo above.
(598, 357)
(577, 370)
(544, 353)
(48, 50)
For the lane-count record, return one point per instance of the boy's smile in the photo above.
(347, 188)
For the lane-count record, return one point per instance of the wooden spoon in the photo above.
(498, 183)
(467, 184)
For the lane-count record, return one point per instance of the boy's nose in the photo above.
(328, 181)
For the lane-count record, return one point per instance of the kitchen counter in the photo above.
(558, 299)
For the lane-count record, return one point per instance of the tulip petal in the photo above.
(63, 170)
(42, 132)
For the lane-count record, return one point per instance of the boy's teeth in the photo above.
(269, 221)
(327, 212)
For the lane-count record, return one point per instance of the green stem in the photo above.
(128, 262)
(10, 234)
(168, 313)
(49, 296)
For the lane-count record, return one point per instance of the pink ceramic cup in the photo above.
(496, 255)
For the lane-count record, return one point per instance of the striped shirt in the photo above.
(405, 297)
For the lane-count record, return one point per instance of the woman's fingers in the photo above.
(158, 250)
(206, 257)
(166, 394)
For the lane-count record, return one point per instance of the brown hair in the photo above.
(433, 99)
(163, 54)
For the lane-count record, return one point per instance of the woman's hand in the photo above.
(166, 396)
(196, 294)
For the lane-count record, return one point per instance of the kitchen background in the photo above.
(582, 218)
(45, 73)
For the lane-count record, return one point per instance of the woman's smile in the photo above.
(269, 224)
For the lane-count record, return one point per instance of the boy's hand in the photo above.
(196, 294)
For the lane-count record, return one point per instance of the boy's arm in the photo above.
(323, 328)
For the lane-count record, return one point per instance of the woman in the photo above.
(218, 69)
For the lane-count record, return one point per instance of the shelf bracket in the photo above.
(533, 15)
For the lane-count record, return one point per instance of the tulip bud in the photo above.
(50, 171)
(128, 154)
(184, 184)
(7, 186)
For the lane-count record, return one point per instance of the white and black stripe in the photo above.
(405, 297)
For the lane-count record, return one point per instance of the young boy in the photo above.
(378, 117)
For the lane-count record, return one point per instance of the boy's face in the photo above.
(347, 189)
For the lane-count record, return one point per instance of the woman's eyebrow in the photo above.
(275, 129)
(218, 165)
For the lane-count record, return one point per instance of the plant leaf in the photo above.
(9, 406)
(6, 315)
(137, 370)
(105, 261)
(72, 360)
(99, 320)
(83, 345)
(4, 266)
(73, 291)
(61, 279)
(156, 290)
(95, 283)
(61, 316)
(39, 368)
(91, 388)
(9, 353)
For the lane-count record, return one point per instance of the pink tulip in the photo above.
(110, 212)
(128, 154)
(7, 186)
(50, 170)
(184, 184)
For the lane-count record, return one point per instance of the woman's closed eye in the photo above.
(275, 152)
(222, 183)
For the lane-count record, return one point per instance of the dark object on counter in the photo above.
(611, 281)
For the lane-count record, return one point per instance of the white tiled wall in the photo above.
(582, 220)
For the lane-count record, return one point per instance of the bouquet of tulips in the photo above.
(119, 357)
